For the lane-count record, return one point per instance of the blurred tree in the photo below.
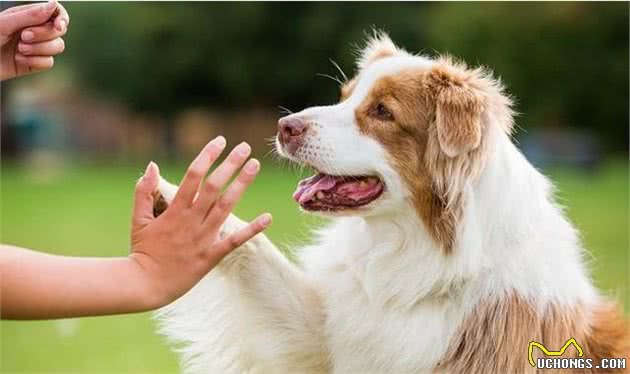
(567, 63)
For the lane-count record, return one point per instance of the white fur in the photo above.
(375, 294)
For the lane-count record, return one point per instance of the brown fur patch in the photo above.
(432, 107)
(159, 204)
(458, 110)
(405, 137)
(347, 88)
(380, 53)
(609, 335)
(496, 336)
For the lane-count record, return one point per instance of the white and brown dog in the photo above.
(447, 252)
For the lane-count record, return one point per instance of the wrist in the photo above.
(148, 294)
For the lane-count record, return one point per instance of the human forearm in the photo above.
(36, 285)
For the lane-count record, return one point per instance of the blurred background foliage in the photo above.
(566, 63)
(142, 80)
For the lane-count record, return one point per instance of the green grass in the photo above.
(85, 211)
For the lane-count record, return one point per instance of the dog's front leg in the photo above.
(278, 302)
(277, 312)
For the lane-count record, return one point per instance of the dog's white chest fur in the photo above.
(371, 324)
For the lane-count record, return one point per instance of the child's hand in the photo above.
(175, 250)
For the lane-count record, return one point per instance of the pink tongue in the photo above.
(309, 187)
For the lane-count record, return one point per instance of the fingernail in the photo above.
(25, 48)
(152, 169)
(243, 149)
(265, 219)
(62, 25)
(28, 35)
(252, 166)
(149, 165)
(219, 141)
(49, 6)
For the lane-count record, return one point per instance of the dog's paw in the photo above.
(159, 204)
(234, 262)
(163, 196)
(231, 225)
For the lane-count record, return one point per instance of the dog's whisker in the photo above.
(285, 110)
(336, 79)
(336, 65)
(270, 154)
(271, 140)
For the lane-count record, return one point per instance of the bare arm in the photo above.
(35, 285)
(170, 253)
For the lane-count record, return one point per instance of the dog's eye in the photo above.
(381, 112)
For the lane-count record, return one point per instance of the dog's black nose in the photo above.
(291, 129)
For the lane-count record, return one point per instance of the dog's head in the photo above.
(409, 131)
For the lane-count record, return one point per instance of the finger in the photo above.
(143, 199)
(62, 20)
(49, 48)
(233, 194)
(10, 23)
(214, 183)
(35, 63)
(235, 240)
(20, 8)
(197, 171)
(42, 33)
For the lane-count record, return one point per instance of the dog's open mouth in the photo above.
(323, 192)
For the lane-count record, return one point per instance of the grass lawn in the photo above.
(85, 211)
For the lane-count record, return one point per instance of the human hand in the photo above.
(175, 250)
(30, 35)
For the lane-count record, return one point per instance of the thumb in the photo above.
(11, 22)
(143, 199)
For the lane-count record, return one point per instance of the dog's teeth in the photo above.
(363, 184)
(319, 195)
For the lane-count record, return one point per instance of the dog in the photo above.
(446, 252)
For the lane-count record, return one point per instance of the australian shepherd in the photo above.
(446, 251)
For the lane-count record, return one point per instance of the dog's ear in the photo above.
(378, 46)
(458, 108)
